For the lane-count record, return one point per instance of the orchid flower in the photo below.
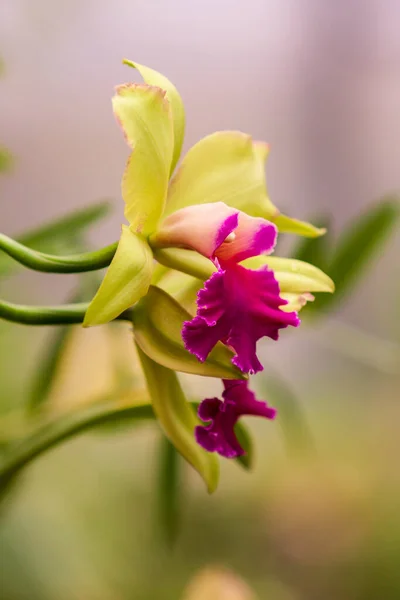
(236, 305)
(211, 219)
(224, 166)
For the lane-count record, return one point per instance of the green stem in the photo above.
(49, 263)
(186, 261)
(68, 314)
(52, 434)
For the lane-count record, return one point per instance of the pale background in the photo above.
(318, 80)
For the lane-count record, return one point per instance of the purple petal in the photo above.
(199, 338)
(237, 306)
(219, 435)
(210, 298)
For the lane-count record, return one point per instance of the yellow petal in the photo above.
(145, 117)
(157, 327)
(294, 276)
(285, 224)
(183, 288)
(225, 166)
(152, 77)
(126, 281)
(177, 418)
(288, 225)
(295, 302)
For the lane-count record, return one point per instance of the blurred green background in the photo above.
(318, 515)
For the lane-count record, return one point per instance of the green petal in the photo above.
(225, 166)
(287, 225)
(177, 418)
(157, 327)
(126, 281)
(183, 288)
(294, 276)
(145, 117)
(178, 111)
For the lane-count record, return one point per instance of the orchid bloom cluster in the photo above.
(210, 224)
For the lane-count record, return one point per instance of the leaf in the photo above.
(50, 435)
(152, 77)
(145, 117)
(291, 415)
(245, 440)
(315, 250)
(61, 235)
(168, 492)
(6, 160)
(359, 244)
(157, 327)
(126, 281)
(48, 361)
(178, 419)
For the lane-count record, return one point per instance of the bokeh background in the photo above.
(318, 516)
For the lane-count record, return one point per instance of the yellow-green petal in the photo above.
(225, 166)
(145, 117)
(294, 276)
(285, 224)
(183, 288)
(288, 225)
(126, 281)
(157, 327)
(152, 77)
(177, 418)
(295, 302)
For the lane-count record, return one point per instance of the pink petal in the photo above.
(202, 227)
(252, 237)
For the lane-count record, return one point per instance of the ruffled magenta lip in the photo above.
(238, 307)
(222, 415)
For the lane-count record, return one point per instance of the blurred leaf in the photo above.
(291, 415)
(6, 160)
(157, 327)
(48, 361)
(53, 433)
(358, 245)
(315, 250)
(60, 236)
(245, 440)
(178, 419)
(168, 490)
